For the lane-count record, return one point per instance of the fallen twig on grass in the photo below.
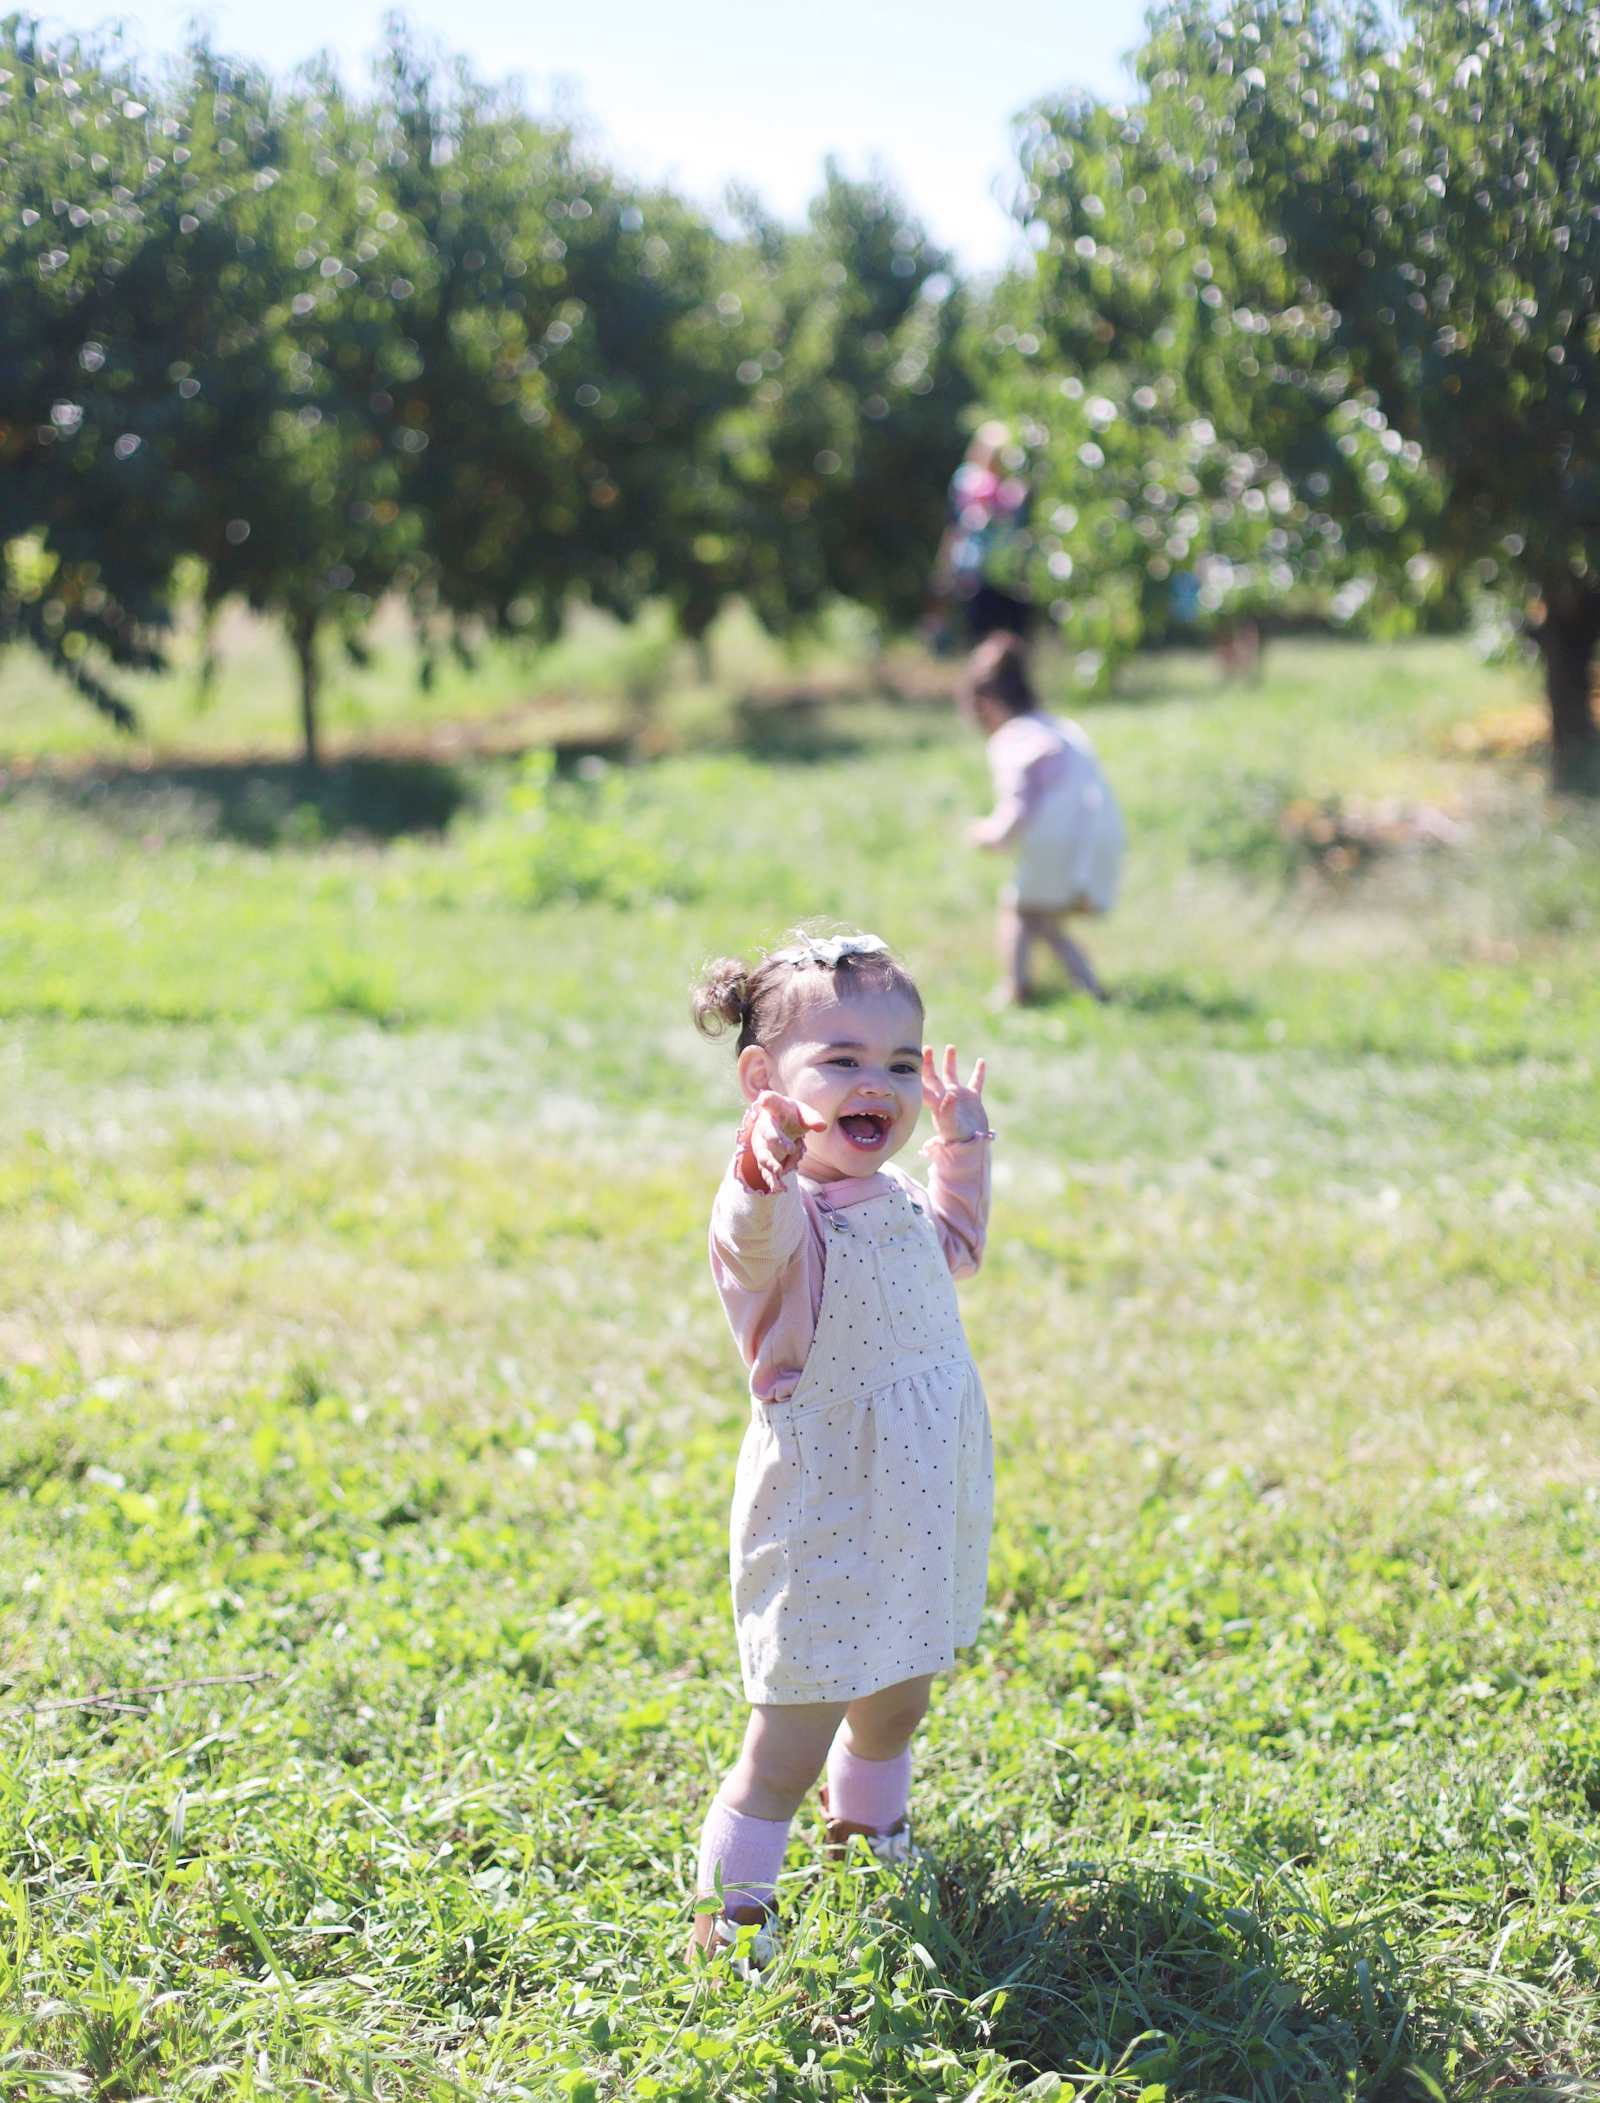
(127, 1697)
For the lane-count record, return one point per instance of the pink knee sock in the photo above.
(870, 1793)
(749, 1852)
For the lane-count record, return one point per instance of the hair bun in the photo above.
(721, 998)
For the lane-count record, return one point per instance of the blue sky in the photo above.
(704, 91)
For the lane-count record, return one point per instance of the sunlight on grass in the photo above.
(367, 1426)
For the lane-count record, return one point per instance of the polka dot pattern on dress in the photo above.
(862, 1513)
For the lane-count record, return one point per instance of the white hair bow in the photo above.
(831, 950)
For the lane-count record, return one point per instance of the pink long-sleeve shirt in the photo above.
(767, 1250)
(1029, 756)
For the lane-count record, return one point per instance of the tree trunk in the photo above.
(1567, 638)
(303, 634)
(695, 612)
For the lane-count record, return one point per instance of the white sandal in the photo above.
(752, 1945)
(761, 1951)
(895, 1849)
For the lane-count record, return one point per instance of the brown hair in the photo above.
(997, 671)
(759, 1000)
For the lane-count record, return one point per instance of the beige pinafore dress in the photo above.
(861, 1515)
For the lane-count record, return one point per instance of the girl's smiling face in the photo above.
(855, 1061)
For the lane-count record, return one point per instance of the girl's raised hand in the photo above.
(772, 1139)
(958, 1111)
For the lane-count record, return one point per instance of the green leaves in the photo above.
(1199, 451)
(332, 346)
(1349, 275)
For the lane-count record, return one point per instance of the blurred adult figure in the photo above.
(1239, 649)
(979, 576)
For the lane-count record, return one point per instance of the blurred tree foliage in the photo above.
(1443, 192)
(320, 347)
(1172, 383)
(1318, 317)
(841, 451)
(91, 529)
(296, 344)
(565, 354)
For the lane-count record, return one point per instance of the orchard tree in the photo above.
(839, 456)
(1175, 387)
(198, 329)
(1438, 190)
(780, 403)
(571, 362)
(299, 355)
(330, 347)
(493, 453)
(664, 332)
(891, 362)
(88, 535)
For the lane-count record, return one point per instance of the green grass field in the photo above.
(367, 1422)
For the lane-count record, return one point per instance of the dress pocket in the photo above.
(918, 1290)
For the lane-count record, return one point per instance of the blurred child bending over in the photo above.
(1053, 804)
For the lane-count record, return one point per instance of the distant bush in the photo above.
(602, 837)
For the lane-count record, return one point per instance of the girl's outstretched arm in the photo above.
(1001, 828)
(766, 1250)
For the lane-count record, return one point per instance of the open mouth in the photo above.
(866, 1128)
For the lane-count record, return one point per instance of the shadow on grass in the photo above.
(800, 728)
(264, 803)
(1170, 997)
(1146, 1977)
(797, 729)
(1187, 667)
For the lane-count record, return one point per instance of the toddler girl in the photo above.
(1054, 805)
(860, 1533)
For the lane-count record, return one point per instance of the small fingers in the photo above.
(778, 1165)
(951, 1079)
(790, 1118)
(980, 1069)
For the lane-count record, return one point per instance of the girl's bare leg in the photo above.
(785, 1746)
(880, 1726)
(782, 1755)
(1051, 928)
(1013, 942)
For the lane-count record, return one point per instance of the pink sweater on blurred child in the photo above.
(767, 1251)
(1030, 757)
